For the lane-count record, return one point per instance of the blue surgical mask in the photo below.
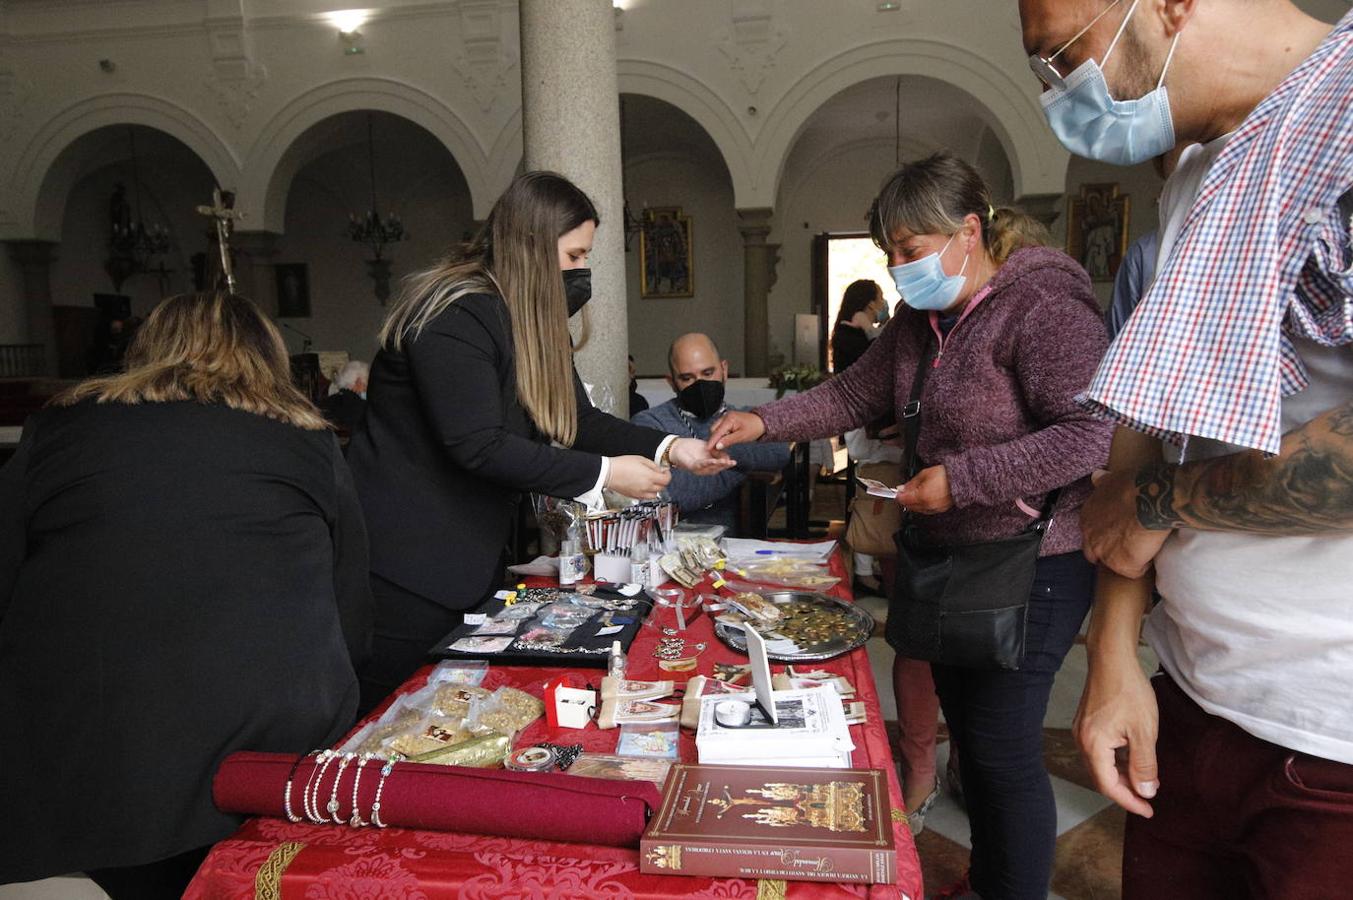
(923, 284)
(882, 316)
(1090, 123)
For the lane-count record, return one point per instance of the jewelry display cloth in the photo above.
(586, 646)
(314, 862)
(538, 805)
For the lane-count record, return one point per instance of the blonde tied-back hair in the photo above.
(515, 255)
(935, 194)
(206, 348)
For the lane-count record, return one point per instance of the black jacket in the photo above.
(446, 450)
(177, 581)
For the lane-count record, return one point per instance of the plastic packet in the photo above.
(506, 711)
(451, 671)
(788, 571)
(435, 732)
(486, 752)
(455, 699)
(756, 608)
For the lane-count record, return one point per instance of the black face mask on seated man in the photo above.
(577, 289)
(702, 398)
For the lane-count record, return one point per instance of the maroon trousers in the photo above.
(1238, 817)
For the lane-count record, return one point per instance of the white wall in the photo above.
(1140, 183)
(704, 193)
(418, 180)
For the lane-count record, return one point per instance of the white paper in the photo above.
(756, 652)
(749, 550)
(877, 488)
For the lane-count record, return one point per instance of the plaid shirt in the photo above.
(1264, 253)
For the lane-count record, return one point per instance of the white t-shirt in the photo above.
(1259, 630)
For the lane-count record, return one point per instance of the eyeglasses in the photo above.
(1047, 72)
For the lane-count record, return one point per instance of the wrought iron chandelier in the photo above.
(132, 244)
(374, 231)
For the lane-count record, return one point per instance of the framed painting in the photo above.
(666, 259)
(1097, 229)
(293, 290)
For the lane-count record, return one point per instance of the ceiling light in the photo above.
(348, 20)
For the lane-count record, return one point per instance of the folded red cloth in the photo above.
(536, 805)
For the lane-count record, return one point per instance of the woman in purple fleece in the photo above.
(1015, 334)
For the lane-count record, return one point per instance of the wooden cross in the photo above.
(222, 213)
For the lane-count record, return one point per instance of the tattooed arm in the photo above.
(1306, 489)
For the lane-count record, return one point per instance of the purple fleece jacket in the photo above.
(998, 411)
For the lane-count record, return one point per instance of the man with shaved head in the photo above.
(699, 374)
(1231, 482)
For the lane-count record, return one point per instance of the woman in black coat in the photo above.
(183, 574)
(473, 401)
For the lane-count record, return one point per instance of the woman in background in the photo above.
(863, 311)
(183, 574)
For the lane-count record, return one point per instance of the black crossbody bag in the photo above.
(967, 604)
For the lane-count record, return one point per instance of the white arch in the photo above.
(805, 173)
(1037, 161)
(44, 174)
(269, 169)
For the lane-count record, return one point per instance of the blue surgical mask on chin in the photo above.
(924, 285)
(1090, 123)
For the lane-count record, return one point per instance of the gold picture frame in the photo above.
(666, 254)
(1097, 229)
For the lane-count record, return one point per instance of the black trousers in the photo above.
(996, 715)
(407, 626)
(163, 880)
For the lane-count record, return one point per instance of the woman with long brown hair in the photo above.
(996, 337)
(472, 402)
(183, 574)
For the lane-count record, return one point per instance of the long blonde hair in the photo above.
(935, 194)
(208, 348)
(516, 255)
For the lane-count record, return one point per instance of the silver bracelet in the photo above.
(333, 795)
(380, 787)
(312, 810)
(286, 792)
(356, 820)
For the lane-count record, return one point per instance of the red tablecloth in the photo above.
(273, 858)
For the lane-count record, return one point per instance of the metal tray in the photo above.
(859, 626)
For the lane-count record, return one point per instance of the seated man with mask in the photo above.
(698, 373)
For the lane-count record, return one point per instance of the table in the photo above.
(273, 858)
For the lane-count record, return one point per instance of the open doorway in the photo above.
(840, 257)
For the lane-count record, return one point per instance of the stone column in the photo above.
(571, 125)
(253, 256)
(34, 259)
(759, 261)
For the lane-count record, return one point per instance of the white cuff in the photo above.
(593, 499)
(662, 448)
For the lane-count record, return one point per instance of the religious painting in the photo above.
(1097, 229)
(293, 290)
(666, 260)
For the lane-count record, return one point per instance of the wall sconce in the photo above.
(348, 21)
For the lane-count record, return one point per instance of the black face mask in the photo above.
(577, 289)
(702, 398)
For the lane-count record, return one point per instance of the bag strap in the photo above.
(911, 421)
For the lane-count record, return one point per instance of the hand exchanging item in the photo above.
(637, 477)
(695, 456)
(735, 428)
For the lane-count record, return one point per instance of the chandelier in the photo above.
(132, 244)
(373, 230)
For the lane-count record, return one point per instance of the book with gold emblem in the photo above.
(763, 822)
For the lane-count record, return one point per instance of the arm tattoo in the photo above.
(1155, 498)
(1306, 489)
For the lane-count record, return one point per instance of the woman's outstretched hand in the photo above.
(696, 457)
(735, 428)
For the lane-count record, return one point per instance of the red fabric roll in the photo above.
(535, 805)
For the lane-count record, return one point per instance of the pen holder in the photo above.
(612, 567)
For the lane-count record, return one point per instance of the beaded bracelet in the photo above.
(380, 787)
(312, 808)
(286, 793)
(333, 795)
(309, 783)
(356, 820)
